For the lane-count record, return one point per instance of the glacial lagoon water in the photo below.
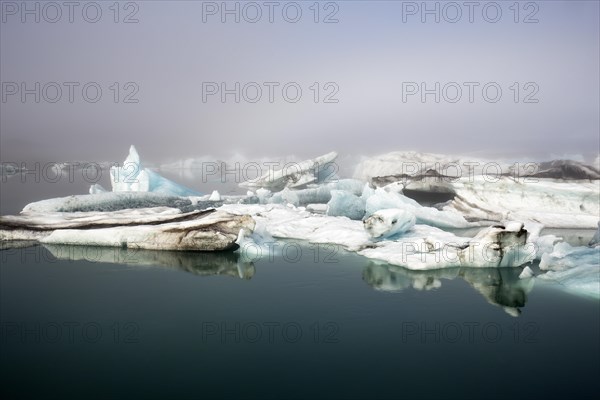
(308, 322)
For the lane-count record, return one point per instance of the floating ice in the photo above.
(410, 165)
(296, 175)
(555, 204)
(107, 201)
(388, 223)
(559, 194)
(422, 247)
(576, 268)
(320, 194)
(526, 273)
(153, 229)
(383, 199)
(97, 188)
(133, 177)
(345, 204)
(215, 196)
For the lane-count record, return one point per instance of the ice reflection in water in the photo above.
(197, 263)
(499, 286)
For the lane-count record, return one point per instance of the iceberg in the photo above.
(317, 195)
(383, 199)
(151, 229)
(554, 204)
(425, 247)
(295, 175)
(97, 188)
(421, 248)
(559, 193)
(575, 268)
(133, 177)
(411, 165)
(345, 204)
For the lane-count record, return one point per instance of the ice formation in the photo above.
(408, 165)
(152, 229)
(576, 268)
(559, 194)
(133, 177)
(382, 199)
(295, 175)
(320, 194)
(389, 222)
(371, 215)
(108, 201)
(345, 204)
(420, 248)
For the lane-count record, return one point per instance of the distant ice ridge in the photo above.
(296, 175)
(133, 177)
(558, 194)
(422, 247)
(412, 163)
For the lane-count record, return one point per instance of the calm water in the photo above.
(308, 322)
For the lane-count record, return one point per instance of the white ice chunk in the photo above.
(388, 223)
(215, 196)
(97, 188)
(526, 273)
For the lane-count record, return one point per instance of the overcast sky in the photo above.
(375, 61)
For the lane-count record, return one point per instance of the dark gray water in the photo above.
(308, 322)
